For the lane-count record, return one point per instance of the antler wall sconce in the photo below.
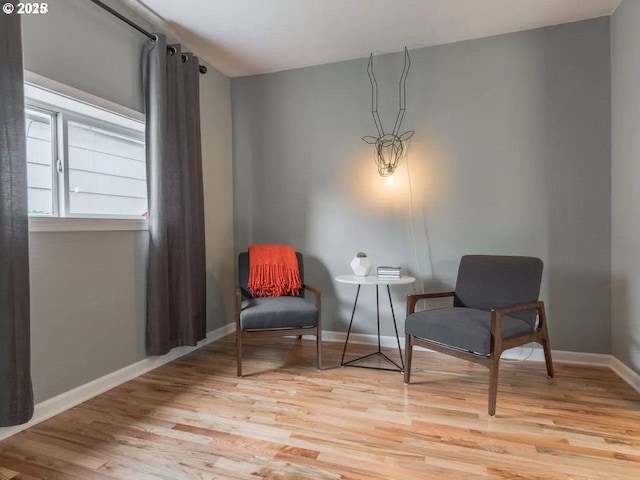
(388, 146)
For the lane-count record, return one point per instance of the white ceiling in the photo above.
(247, 37)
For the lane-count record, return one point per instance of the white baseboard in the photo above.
(361, 339)
(581, 358)
(625, 373)
(58, 404)
(67, 400)
(526, 353)
(536, 354)
(533, 354)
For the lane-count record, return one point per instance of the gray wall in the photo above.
(625, 181)
(83, 46)
(87, 306)
(511, 156)
(88, 288)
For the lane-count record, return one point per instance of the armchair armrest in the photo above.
(414, 298)
(521, 307)
(238, 307)
(498, 313)
(316, 293)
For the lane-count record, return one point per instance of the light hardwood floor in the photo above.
(194, 419)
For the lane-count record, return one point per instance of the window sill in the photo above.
(61, 224)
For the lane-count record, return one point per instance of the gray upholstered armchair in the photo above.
(275, 316)
(495, 307)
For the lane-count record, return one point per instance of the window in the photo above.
(83, 161)
(40, 168)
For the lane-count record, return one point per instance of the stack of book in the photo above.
(388, 272)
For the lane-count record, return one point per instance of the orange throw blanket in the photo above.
(273, 271)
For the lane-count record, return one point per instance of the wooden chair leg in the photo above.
(494, 368)
(546, 345)
(239, 351)
(408, 351)
(547, 356)
(239, 331)
(319, 347)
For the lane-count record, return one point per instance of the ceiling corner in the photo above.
(200, 48)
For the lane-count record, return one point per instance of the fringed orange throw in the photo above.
(273, 271)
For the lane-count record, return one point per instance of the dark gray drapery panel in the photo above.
(16, 394)
(176, 282)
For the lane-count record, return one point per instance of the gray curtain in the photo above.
(176, 281)
(16, 394)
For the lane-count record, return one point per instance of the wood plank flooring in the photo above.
(194, 419)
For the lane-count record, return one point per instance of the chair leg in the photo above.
(239, 351)
(546, 345)
(547, 354)
(408, 351)
(494, 368)
(319, 347)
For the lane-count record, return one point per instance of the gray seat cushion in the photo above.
(463, 328)
(263, 313)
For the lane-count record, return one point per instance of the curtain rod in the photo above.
(151, 36)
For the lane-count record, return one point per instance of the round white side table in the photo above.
(374, 280)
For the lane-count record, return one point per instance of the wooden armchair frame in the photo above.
(498, 344)
(280, 332)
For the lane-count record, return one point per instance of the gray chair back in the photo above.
(490, 281)
(243, 273)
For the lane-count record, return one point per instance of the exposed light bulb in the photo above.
(390, 180)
